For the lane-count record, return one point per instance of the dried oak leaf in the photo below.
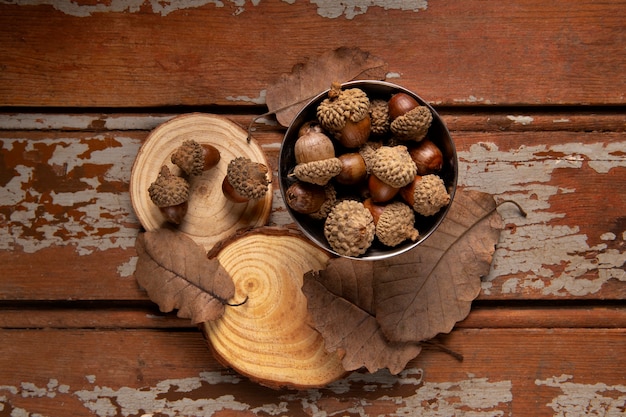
(340, 302)
(177, 274)
(425, 291)
(292, 91)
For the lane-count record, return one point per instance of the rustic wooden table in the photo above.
(534, 94)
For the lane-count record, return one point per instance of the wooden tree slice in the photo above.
(210, 217)
(269, 338)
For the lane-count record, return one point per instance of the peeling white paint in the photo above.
(524, 175)
(585, 399)
(162, 7)
(474, 396)
(95, 210)
(127, 269)
(256, 100)
(472, 99)
(608, 236)
(477, 397)
(91, 379)
(562, 120)
(391, 75)
(351, 8)
(522, 120)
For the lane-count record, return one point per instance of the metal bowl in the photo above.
(438, 133)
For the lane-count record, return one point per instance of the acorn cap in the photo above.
(430, 195)
(349, 228)
(379, 116)
(341, 106)
(168, 190)
(247, 178)
(189, 157)
(318, 172)
(328, 204)
(367, 151)
(393, 165)
(396, 224)
(413, 125)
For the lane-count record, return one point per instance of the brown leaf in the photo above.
(338, 301)
(306, 80)
(177, 274)
(427, 290)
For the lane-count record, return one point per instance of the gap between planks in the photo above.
(608, 119)
(98, 316)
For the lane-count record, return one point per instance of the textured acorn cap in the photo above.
(318, 172)
(393, 165)
(379, 116)
(430, 195)
(327, 206)
(367, 151)
(168, 190)
(189, 157)
(349, 228)
(413, 125)
(396, 224)
(247, 178)
(341, 106)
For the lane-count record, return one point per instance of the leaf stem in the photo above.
(519, 207)
(254, 119)
(455, 355)
(245, 300)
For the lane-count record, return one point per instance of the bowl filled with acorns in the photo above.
(367, 169)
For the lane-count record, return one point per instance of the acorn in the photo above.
(349, 228)
(413, 125)
(395, 222)
(379, 117)
(245, 180)
(193, 158)
(393, 165)
(305, 198)
(315, 158)
(427, 156)
(353, 169)
(170, 193)
(426, 194)
(379, 191)
(400, 104)
(345, 114)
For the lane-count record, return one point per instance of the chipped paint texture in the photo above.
(477, 397)
(522, 120)
(350, 8)
(326, 8)
(38, 211)
(585, 399)
(162, 7)
(537, 247)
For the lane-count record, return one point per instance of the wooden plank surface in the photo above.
(67, 214)
(533, 93)
(521, 372)
(129, 53)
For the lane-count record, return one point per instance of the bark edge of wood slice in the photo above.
(269, 339)
(211, 217)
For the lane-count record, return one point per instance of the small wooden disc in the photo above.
(269, 338)
(211, 217)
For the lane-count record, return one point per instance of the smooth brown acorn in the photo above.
(379, 190)
(353, 169)
(427, 156)
(399, 104)
(304, 197)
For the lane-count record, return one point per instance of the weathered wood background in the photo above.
(534, 94)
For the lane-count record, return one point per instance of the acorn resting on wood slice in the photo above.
(245, 180)
(269, 338)
(170, 194)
